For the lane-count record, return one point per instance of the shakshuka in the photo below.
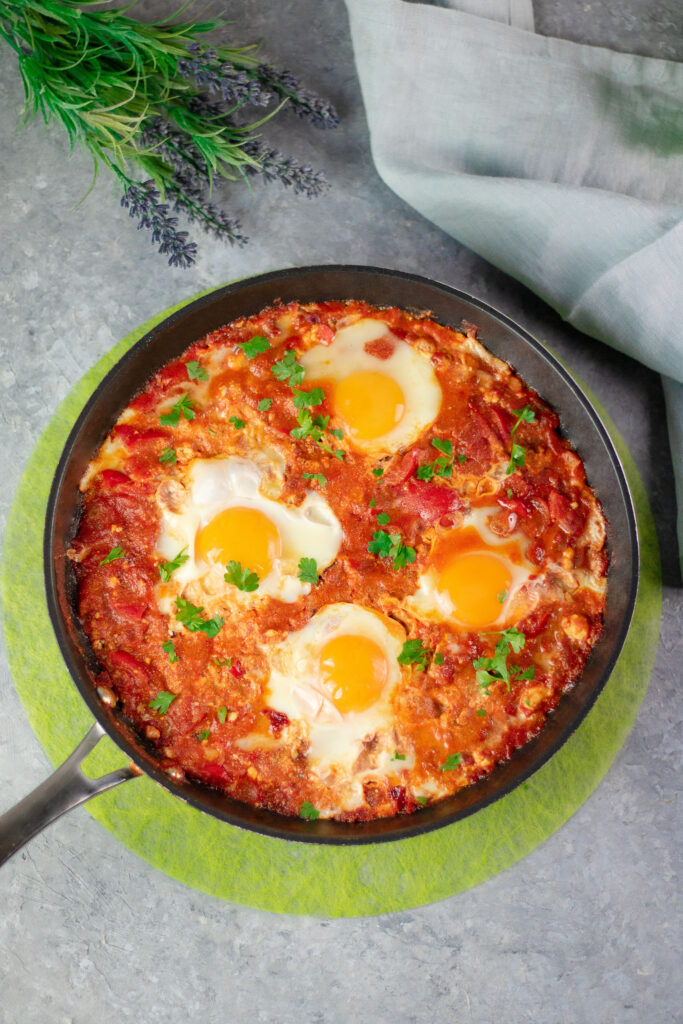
(338, 562)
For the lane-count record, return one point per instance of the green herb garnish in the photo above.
(517, 453)
(195, 371)
(287, 369)
(184, 406)
(308, 399)
(168, 455)
(264, 405)
(502, 596)
(241, 578)
(166, 568)
(319, 478)
(378, 472)
(462, 458)
(308, 811)
(414, 652)
(438, 659)
(203, 735)
(222, 714)
(113, 555)
(223, 662)
(191, 618)
(421, 800)
(372, 503)
(481, 713)
(398, 757)
(169, 649)
(162, 701)
(496, 669)
(237, 423)
(443, 466)
(390, 545)
(308, 570)
(254, 347)
(451, 763)
(383, 518)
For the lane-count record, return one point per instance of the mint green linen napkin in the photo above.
(560, 163)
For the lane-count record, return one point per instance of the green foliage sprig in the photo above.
(158, 108)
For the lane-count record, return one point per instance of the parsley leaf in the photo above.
(378, 472)
(320, 478)
(451, 763)
(443, 466)
(195, 371)
(390, 545)
(438, 659)
(222, 714)
(526, 415)
(288, 369)
(264, 405)
(203, 735)
(495, 669)
(237, 422)
(113, 555)
(517, 453)
(169, 649)
(168, 455)
(162, 701)
(517, 458)
(481, 713)
(372, 503)
(166, 568)
(223, 662)
(308, 570)
(336, 432)
(398, 757)
(241, 578)
(462, 458)
(421, 800)
(191, 618)
(184, 406)
(380, 544)
(383, 518)
(415, 653)
(308, 399)
(255, 346)
(308, 811)
(502, 596)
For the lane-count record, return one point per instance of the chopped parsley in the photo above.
(509, 492)
(438, 659)
(162, 701)
(372, 503)
(462, 458)
(170, 650)
(517, 452)
(308, 811)
(203, 735)
(390, 545)
(166, 568)
(502, 596)
(442, 466)
(241, 578)
(415, 653)
(496, 669)
(190, 616)
(308, 570)
(378, 472)
(287, 369)
(265, 404)
(113, 555)
(222, 714)
(255, 346)
(311, 426)
(237, 423)
(451, 763)
(195, 371)
(421, 800)
(223, 662)
(383, 518)
(319, 478)
(184, 406)
(481, 713)
(168, 455)
(308, 399)
(336, 432)
(398, 757)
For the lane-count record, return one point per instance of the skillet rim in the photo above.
(325, 831)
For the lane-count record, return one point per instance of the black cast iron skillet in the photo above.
(69, 787)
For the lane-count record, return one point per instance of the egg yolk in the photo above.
(475, 581)
(355, 668)
(370, 403)
(242, 535)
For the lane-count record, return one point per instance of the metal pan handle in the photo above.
(61, 792)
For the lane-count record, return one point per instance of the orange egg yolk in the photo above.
(242, 535)
(475, 581)
(370, 403)
(355, 669)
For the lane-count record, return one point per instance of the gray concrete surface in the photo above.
(586, 928)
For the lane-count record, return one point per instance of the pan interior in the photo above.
(539, 369)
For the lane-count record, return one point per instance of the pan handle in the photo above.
(65, 789)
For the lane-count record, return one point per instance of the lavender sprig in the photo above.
(274, 166)
(188, 198)
(231, 83)
(306, 104)
(143, 201)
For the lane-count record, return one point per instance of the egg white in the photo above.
(410, 368)
(309, 530)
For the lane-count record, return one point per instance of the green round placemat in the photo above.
(272, 874)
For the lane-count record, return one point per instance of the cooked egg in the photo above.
(334, 679)
(222, 514)
(384, 392)
(474, 578)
